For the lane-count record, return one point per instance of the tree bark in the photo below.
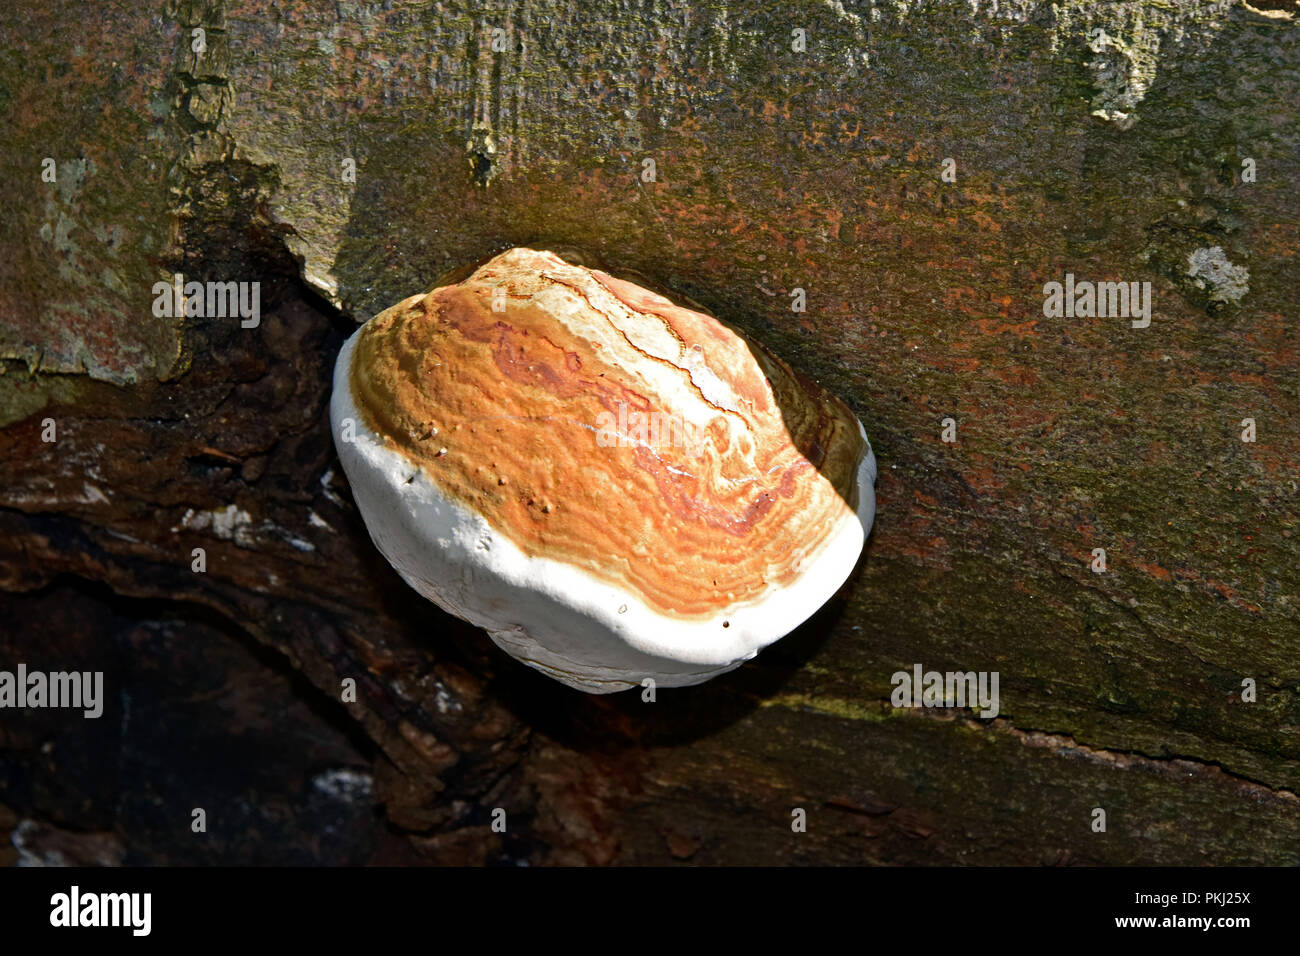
(920, 171)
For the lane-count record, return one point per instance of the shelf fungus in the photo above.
(614, 486)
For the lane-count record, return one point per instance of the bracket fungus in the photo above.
(615, 487)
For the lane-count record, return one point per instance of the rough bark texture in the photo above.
(1117, 155)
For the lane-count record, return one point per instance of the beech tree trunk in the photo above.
(921, 171)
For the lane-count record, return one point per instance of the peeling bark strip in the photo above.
(344, 154)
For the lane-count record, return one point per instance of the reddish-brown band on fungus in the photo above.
(502, 407)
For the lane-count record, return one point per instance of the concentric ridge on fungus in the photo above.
(518, 395)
